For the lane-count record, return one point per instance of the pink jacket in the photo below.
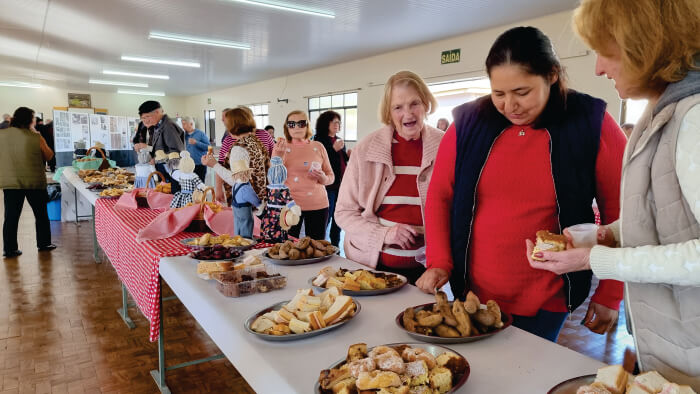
(368, 177)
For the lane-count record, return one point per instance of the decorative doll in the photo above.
(143, 169)
(243, 194)
(280, 212)
(189, 181)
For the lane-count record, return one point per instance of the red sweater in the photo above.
(515, 198)
(402, 203)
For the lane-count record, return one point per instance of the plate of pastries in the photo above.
(115, 192)
(409, 368)
(303, 251)
(211, 241)
(306, 315)
(359, 282)
(613, 379)
(453, 322)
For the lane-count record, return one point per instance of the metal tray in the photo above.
(198, 247)
(301, 261)
(294, 337)
(571, 386)
(506, 318)
(435, 350)
(352, 293)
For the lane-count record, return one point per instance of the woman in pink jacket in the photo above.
(382, 196)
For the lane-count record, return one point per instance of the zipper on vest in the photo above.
(471, 223)
(556, 199)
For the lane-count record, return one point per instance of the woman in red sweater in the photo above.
(530, 157)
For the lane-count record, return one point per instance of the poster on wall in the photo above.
(80, 130)
(101, 132)
(61, 132)
(71, 131)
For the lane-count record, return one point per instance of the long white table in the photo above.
(513, 361)
(76, 200)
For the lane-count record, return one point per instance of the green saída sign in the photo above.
(448, 57)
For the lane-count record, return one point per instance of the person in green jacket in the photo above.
(22, 175)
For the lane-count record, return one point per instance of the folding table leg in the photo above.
(124, 310)
(75, 195)
(95, 245)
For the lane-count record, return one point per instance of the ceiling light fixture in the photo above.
(279, 5)
(16, 84)
(161, 61)
(117, 83)
(141, 93)
(197, 40)
(127, 74)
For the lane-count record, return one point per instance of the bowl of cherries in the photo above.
(217, 252)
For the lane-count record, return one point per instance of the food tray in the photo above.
(352, 293)
(241, 289)
(435, 350)
(198, 247)
(294, 337)
(506, 318)
(300, 261)
(571, 386)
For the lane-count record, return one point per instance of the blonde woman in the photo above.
(308, 174)
(384, 189)
(650, 48)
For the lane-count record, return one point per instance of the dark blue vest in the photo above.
(574, 127)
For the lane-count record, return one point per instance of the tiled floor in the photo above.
(59, 332)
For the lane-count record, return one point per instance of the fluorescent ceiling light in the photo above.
(127, 74)
(161, 61)
(117, 83)
(141, 93)
(197, 40)
(279, 5)
(17, 84)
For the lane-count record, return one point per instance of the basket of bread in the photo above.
(303, 251)
(305, 315)
(453, 322)
(614, 379)
(94, 163)
(198, 224)
(395, 368)
(142, 194)
(359, 282)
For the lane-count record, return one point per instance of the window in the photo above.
(632, 110)
(343, 103)
(262, 114)
(454, 93)
(210, 124)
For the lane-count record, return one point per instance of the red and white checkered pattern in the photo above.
(137, 263)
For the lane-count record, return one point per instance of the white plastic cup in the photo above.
(584, 235)
(315, 165)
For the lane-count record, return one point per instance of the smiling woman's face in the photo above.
(518, 95)
(407, 111)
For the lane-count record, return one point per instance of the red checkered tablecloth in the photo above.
(137, 263)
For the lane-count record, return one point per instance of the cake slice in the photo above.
(548, 242)
(440, 379)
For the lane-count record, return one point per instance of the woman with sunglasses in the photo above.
(308, 173)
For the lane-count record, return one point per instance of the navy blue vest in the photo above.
(574, 127)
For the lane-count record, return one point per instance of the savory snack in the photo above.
(114, 192)
(455, 320)
(356, 280)
(249, 280)
(224, 240)
(614, 379)
(397, 369)
(308, 312)
(304, 248)
(549, 242)
(164, 188)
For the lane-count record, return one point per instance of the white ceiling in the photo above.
(66, 42)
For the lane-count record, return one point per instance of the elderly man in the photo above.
(197, 144)
(167, 135)
(5, 121)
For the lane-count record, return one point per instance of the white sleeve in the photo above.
(224, 174)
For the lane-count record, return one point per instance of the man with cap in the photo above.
(167, 135)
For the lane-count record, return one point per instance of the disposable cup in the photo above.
(584, 235)
(315, 165)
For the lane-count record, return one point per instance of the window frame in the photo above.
(342, 110)
(260, 118)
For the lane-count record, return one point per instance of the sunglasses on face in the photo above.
(300, 124)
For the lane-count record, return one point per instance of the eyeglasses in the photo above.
(300, 124)
(336, 122)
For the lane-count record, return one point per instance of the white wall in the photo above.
(369, 74)
(45, 98)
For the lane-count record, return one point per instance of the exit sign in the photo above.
(451, 56)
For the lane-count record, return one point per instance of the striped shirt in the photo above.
(402, 203)
(228, 141)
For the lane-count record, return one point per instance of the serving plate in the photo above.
(294, 337)
(300, 261)
(373, 292)
(571, 386)
(506, 318)
(198, 247)
(435, 350)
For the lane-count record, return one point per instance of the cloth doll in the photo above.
(189, 181)
(280, 211)
(243, 195)
(143, 169)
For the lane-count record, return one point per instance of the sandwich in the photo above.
(673, 388)
(262, 324)
(323, 276)
(299, 327)
(614, 378)
(650, 381)
(316, 320)
(548, 242)
(340, 308)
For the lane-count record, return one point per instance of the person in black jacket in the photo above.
(327, 127)
(167, 135)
